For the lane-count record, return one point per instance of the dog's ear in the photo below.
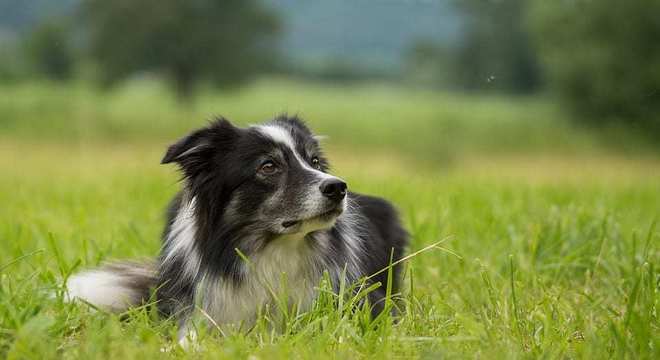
(201, 144)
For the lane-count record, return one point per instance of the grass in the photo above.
(557, 254)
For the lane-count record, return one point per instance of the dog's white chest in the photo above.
(282, 274)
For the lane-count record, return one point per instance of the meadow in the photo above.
(549, 231)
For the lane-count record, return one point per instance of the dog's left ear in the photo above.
(201, 144)
(191, 143)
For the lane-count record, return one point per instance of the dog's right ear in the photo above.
(201, 144)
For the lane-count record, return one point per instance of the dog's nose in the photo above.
(333, 189)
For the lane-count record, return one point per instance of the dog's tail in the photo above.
(115, 286)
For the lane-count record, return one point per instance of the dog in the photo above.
(257, 204)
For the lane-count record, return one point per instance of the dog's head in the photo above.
(272, 177)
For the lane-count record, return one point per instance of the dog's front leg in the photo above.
(177, 300)
(187, 334)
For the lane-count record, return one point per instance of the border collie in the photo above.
(256, 204)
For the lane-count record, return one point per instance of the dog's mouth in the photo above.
(323, 217)
(290, 223)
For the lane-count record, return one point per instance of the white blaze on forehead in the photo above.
(283, 136)
(279, 134)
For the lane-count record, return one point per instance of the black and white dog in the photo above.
(257, 204)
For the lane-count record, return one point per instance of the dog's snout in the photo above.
(334, 189)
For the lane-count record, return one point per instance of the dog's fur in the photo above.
(257, 206)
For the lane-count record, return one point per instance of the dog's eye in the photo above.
(268, 168)
(316, 162)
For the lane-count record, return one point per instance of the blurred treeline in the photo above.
(600, 59)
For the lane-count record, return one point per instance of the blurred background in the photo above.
(498, 83)
(526, 133)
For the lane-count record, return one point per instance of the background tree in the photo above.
(602, 57)
(225, 41)
(496, 51)
(49, 50)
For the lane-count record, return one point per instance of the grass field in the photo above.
(551, 233)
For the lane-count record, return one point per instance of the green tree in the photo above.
(602, 57)
(49, 51)
(225, 41)
(496, 52)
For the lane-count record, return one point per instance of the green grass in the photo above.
(557, 254)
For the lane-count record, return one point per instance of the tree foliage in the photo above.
(496, 51)
(224, 41)
(50, 52)
(602, 57)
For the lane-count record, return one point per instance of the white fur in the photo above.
(350, 228)
(181, 239)
(283, 267)
(278, 134)
(102, 289)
